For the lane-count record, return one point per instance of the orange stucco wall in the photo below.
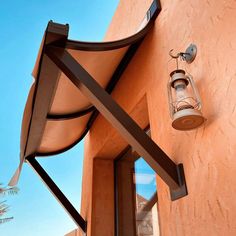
(208, 153)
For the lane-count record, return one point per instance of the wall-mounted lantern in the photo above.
(184, 99)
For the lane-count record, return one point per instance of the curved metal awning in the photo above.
(57, 115)
(71, 78)
(69, 113)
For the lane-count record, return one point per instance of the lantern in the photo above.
(184, 100)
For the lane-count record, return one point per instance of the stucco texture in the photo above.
(208, 153)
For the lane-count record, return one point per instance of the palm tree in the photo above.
(10, 190)
(3, 209)
(3, 206)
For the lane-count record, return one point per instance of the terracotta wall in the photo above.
(208, 153)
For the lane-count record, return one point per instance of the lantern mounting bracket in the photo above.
(188, 56)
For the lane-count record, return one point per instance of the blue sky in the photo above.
(22, 24)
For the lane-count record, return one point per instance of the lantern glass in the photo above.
(183, 98)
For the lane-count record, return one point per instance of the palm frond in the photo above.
(3, 202)
(3, 210)
(10, 191)
(3, 206)
(4, 220)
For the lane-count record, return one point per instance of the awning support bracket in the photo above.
(171, 174)
(78, 219)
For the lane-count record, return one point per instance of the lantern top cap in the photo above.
(178, 75)
(177, 71)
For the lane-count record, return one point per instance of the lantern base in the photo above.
(187, 119)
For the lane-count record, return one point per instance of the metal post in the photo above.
(57, 193)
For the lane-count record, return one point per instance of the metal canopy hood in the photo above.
(73, 80)
(57, 114)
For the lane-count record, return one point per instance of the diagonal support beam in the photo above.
(171, 173)
(57, 193)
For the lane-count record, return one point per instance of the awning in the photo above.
(57, 115)
(72, 83)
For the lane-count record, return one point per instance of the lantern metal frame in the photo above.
(189, 80)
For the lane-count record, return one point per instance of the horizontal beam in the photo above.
(127, 127)
(57, 193)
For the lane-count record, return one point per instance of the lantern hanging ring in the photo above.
(180, 54)
(188, 56)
